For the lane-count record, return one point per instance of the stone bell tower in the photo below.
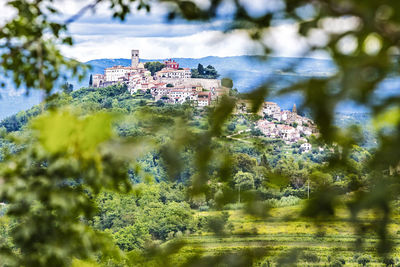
(135, 58)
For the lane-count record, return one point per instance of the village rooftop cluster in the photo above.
(286, 124)
(172, 84)
(283, 124)
(175, 85)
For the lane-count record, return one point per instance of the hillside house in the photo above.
(306, 147)
(203, 99)
(174, 73)
(270, 108)
(171, 64)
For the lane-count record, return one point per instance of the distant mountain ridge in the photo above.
(247, 73)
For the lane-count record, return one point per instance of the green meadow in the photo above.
(284, 231)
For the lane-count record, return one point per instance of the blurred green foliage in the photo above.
(53, 172)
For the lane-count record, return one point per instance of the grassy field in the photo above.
(283, 232)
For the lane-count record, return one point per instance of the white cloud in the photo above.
(202, 44)
(97, 36)
(108, 43)
(141, 28)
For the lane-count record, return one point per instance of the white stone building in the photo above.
(98, 80)
(306, 147)
(271, 108)
(113, 74)
(174, 73)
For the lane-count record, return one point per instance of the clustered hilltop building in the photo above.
(282, 124)
(286, 124)
(172, 84)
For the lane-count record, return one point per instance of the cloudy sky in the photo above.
(96, 35)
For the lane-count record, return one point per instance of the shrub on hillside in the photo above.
(389, 262)
(234, 206)
(309, 257)
(204, 208)
(364, 260)
(336, 262)
(283, 202)
(215, 223)
(300, 192)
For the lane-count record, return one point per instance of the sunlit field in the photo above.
(284, 231)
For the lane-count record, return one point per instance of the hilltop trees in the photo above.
(205, 73)
(153, 67)
(226, 82)
(200, 69)
(195, 73)
(18, 121)
(67, 88)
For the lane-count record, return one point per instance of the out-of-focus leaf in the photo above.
(63, 132)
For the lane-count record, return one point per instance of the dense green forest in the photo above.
(160, 208)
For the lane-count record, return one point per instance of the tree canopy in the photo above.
(206, 73)
(153, 67)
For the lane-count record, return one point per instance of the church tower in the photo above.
(135, 58)
(294, 109)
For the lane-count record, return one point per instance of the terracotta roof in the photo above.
(204, 93)
(287, 127)
(120, 67)
(172, 70)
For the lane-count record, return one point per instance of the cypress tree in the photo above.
(200, 69)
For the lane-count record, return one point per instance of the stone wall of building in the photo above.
(135, 58)
(98, 80)
(207, 84)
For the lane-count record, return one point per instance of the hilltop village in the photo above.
(172, 84)
(276, 123)
(285, 124)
